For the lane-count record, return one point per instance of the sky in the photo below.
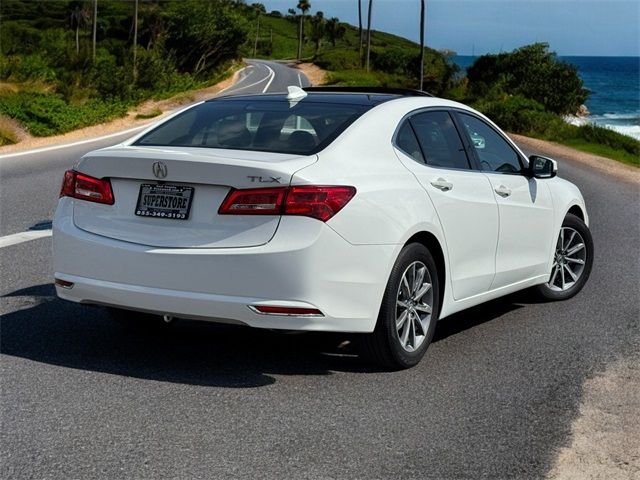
(571, 27)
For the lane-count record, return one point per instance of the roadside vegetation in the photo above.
(56, 75)
(528, 91)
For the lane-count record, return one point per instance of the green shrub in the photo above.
(22, 68)
(533, 72)
(361, 78)
(107, 78)
(396, 60)
(595, 134)
(202, 34)
(339, 59)
(49, 114)
(528, 117)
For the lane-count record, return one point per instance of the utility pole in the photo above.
(255, 44)
(360, 31)
(135, 42)
(422, 9)
(369, 35)
(95, 28)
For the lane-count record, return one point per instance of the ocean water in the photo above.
(614, 83)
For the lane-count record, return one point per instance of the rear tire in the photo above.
(572, 261)
(409, 312)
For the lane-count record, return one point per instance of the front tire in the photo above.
(409, 311)
(572, 261)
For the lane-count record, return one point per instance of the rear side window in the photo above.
(268, 126)
(439, 139)
(407, 142)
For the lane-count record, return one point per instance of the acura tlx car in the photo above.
(371, 211)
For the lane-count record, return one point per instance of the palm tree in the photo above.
(303, 6)
(369, 35)
(335, 31)
(422, 9)
(79, 18)
(318, 29)
(360, 31)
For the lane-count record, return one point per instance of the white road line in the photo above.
(273, 75)
(21, 237)
(66, 145)
(255, 83)
(248, 74)
(300, 80)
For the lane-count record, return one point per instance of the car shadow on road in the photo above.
(42, 328)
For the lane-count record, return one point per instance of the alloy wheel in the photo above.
(414, 304)
(568, 260)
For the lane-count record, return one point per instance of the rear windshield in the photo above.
(267, 126)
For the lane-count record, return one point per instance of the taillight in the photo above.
(84, 187)
(317, 202)
(257, 201)
(320, 202)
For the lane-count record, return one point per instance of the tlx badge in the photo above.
(264, 179)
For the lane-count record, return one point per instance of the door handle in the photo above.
(503, 191)
(442, 184)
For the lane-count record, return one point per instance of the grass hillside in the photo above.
(394, 59)
(284, 32)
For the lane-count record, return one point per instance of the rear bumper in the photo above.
(306, 264)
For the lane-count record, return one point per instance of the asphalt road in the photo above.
(495, 396)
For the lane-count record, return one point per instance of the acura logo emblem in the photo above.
(159, 169)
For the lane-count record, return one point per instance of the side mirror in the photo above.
(542, 167)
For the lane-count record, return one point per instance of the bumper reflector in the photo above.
(64, 283)
(287, 311)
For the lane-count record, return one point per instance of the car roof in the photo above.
(370, 96)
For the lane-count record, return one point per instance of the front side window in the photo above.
(494, 153)
(268, 126)
(439, 140)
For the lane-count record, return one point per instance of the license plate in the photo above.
(164, 201)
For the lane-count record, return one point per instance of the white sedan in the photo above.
(347, 210)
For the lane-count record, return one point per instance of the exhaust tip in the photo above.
(64, 283)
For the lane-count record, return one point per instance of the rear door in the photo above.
(430, 146)
(524, 204)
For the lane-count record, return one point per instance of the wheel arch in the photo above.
(430, 241)
(577, 211)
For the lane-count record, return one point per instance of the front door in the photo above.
(524, 204)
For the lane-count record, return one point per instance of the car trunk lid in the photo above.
(210, 173)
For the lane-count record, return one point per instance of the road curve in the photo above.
(494, 397)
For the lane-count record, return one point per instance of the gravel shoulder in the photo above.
(605, 438)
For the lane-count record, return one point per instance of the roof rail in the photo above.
(405, 92)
